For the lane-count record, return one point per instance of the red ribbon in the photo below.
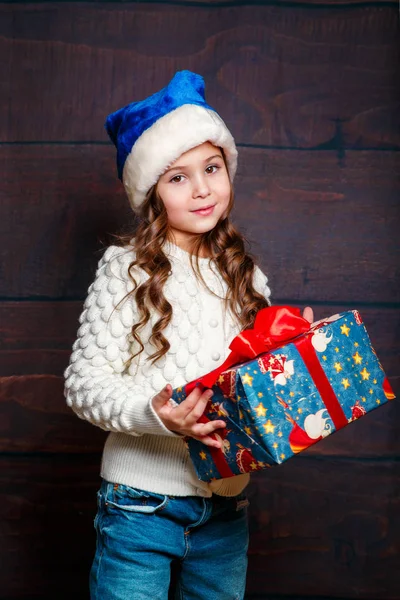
(273, 327)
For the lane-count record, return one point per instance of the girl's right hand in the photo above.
(182, 418)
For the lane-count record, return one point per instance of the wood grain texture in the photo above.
(35, 344)
(35, 418)
(282, 77)
(316, 4)
(36, 337)
(305, 517)
(47, 507)
(326, 528)
(323, 230)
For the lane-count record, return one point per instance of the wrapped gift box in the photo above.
(284, 400)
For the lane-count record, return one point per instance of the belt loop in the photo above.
(109, 495)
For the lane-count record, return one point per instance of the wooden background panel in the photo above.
(325, 231)
(266, 69)
(47, 507)
(326, 528)
(35, 418)
(315, 4)
(35, 345)
(305, 517)
(36, 337)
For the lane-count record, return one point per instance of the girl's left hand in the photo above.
(308, 314)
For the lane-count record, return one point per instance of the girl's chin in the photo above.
(197, 229)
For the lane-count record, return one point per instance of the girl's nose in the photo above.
(201, 187)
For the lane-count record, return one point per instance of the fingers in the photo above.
(204, 429)
(191, 409)
(162, 397)
(208, 441)
(184, 418)
(308, 314)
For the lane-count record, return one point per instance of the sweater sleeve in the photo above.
(260, 281)
(97, 385)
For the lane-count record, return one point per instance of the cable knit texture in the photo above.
(140, 451)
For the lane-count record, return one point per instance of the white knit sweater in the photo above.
(140, 451)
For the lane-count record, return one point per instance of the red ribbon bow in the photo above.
(273, 327)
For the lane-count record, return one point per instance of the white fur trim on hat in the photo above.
(173, 134)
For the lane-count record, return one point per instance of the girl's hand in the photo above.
(308, 314)
(183, 417)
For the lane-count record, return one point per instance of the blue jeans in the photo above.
(140, 535)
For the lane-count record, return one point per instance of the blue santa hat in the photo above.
(151, 134)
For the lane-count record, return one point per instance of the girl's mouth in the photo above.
(205, 211)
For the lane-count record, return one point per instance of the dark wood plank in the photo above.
(281, 76)
(48, 540)
(317, 4)
(312, 535)
(36, 337)
(323, 231)
(35, 418)
(35, 345)
(326, 528)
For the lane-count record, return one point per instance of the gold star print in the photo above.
(260, 394)
(203, 455)
(248, 379)
(260, 464)
(344, 329)
(179, 389)
(221, 379)
(261, 410)
(299, 411)
(338, 367)
(356, 344)
(291, 394)
(378, 401)
(283, 456)
(345, 383)
(280, 434)
(247, 430)
(364, 374)
(364, 399)
(324, 357)
(336, 349)
(357, 358)
(240, 414)
(275, 445)
(374, 381)
(253, 465)
(371, 391)
(269, 428)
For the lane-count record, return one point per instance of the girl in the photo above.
(161, 312)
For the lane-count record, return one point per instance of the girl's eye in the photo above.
(212, 168)
(177, 179)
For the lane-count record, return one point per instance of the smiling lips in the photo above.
(207, 210)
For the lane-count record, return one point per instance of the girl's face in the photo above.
(195, 191)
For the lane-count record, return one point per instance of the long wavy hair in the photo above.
(224, 244)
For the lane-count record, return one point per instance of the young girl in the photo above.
(161, 312)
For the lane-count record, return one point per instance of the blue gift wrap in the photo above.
(291, 397)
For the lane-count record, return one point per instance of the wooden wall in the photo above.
(310, 90)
